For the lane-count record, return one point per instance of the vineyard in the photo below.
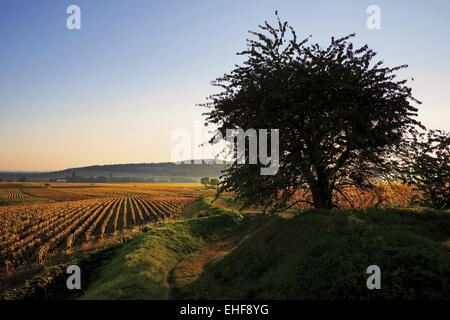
(380, 196)
(52, 194)
(32, 233)
(15, 195)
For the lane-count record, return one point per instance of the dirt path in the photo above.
(189, 270)
(174, 292)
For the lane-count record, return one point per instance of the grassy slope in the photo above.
(142, 268)
(322, 255)
(316, 255)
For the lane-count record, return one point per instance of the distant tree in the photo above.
(47, 184)
(204, 181)
(214, 182)
(73, 176)
(23, 179)
(428, 168)
(341, 117)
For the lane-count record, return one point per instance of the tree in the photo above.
(340, 115)
(204, 181)
(428, 167)
(214, 182)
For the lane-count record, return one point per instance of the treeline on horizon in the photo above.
(144, 172)
(103, 179)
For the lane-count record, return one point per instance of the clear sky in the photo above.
(114, 91)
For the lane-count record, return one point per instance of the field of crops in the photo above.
(31, 233)
(380, 196)
(13, 194)
(155, 189)
(35, 192)
(53, 194)
(10, 196)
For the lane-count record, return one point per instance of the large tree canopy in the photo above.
(339, 114)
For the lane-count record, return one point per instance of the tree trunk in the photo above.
(321, 192)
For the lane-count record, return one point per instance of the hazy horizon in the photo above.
(114, 91)
(92, 165)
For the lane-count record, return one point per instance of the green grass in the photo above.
(199, 208)
(315, 255)
(324, 255)
(141, 269)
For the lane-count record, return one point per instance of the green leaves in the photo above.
(427, 161)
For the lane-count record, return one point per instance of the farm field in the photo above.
(38, 222)
(82, 191)
(53, 194)
(12, 195)
(16, 196)
(381, 196)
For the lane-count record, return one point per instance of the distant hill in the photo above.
(132, 172)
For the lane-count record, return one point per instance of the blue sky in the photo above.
(114, 91)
